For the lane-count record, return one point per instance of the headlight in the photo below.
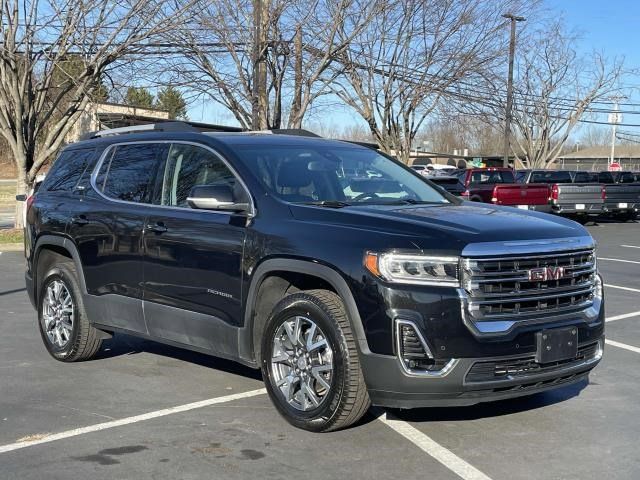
(414, 269)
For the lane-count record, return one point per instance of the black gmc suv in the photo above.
(345, 290)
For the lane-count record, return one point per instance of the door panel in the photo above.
(107, 227)
(193, 258)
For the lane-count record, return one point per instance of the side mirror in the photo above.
(215, 197)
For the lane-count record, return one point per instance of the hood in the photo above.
(463, 224)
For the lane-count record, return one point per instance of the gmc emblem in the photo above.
(546, 273)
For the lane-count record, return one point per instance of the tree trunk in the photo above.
(22, 188)
(295, 117)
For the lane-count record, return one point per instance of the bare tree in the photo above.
(40, 99)
(554, 89)
(405, 63)
(450, 131)
(594, 136)
(297, 45)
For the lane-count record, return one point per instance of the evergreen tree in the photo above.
(170, 99)
(138, 97)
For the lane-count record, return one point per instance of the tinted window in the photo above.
(521, 176)
(550, 176)
(626, 177)
(188, 166)
(68, 169)
(605, 177)
(480, 177)
(585, 177)
(127, 172)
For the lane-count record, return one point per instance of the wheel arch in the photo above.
(61, 246)
(250, 333)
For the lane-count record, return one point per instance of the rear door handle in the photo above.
(80, 220)
(158, 228)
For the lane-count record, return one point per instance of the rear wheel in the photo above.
(310, 363)
(64, 327)
(627, 216)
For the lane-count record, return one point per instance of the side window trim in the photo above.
(111, 148)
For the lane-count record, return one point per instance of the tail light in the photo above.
(603, 192)
(30, 200)
(494, 195)
(554, 192)
(466, 193)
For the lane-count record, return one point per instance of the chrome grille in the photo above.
(501, 288)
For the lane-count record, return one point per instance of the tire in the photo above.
(582, 219)
(346, 400)
(78, 342)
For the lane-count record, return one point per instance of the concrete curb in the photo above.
(11, 247)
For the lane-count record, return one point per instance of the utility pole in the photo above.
(507, 117)
(614, 119)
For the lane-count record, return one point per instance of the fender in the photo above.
(328, 274)
(69, 246)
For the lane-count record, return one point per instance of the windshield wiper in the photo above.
(405, 201)
(329, 203)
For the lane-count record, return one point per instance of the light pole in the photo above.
(614, 119)
(507, 117)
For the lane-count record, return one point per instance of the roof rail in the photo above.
(301, 132)
(150, 127)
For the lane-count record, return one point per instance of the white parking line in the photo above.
(623, 316)
(629, 246)
(631, 348)
(628, 289)
(129, 420)
(618, 260)
(431, 447)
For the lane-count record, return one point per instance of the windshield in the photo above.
(327, 174)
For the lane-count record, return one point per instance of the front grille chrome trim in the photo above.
(528, 247)
(497, 293)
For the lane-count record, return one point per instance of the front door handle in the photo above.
(80, 220)
(157, 227)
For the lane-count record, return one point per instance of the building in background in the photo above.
(597, 158)
(99, 116)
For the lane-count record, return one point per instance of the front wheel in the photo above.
(310, 362)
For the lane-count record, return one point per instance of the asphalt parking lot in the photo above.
(132, 413)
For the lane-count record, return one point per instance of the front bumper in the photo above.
(391, 386)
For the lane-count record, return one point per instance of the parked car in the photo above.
(579, 201)
(421, 169)
(250, 247)
(498, 186)
(449, 184)
(622, 194)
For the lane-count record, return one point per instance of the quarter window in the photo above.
(68, 170)
(127, 172)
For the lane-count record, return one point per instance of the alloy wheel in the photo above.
(302, 363)
(58, 314)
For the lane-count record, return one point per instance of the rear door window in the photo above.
(128, 171)
(68, 170)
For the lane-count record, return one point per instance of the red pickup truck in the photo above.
(498, 186)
